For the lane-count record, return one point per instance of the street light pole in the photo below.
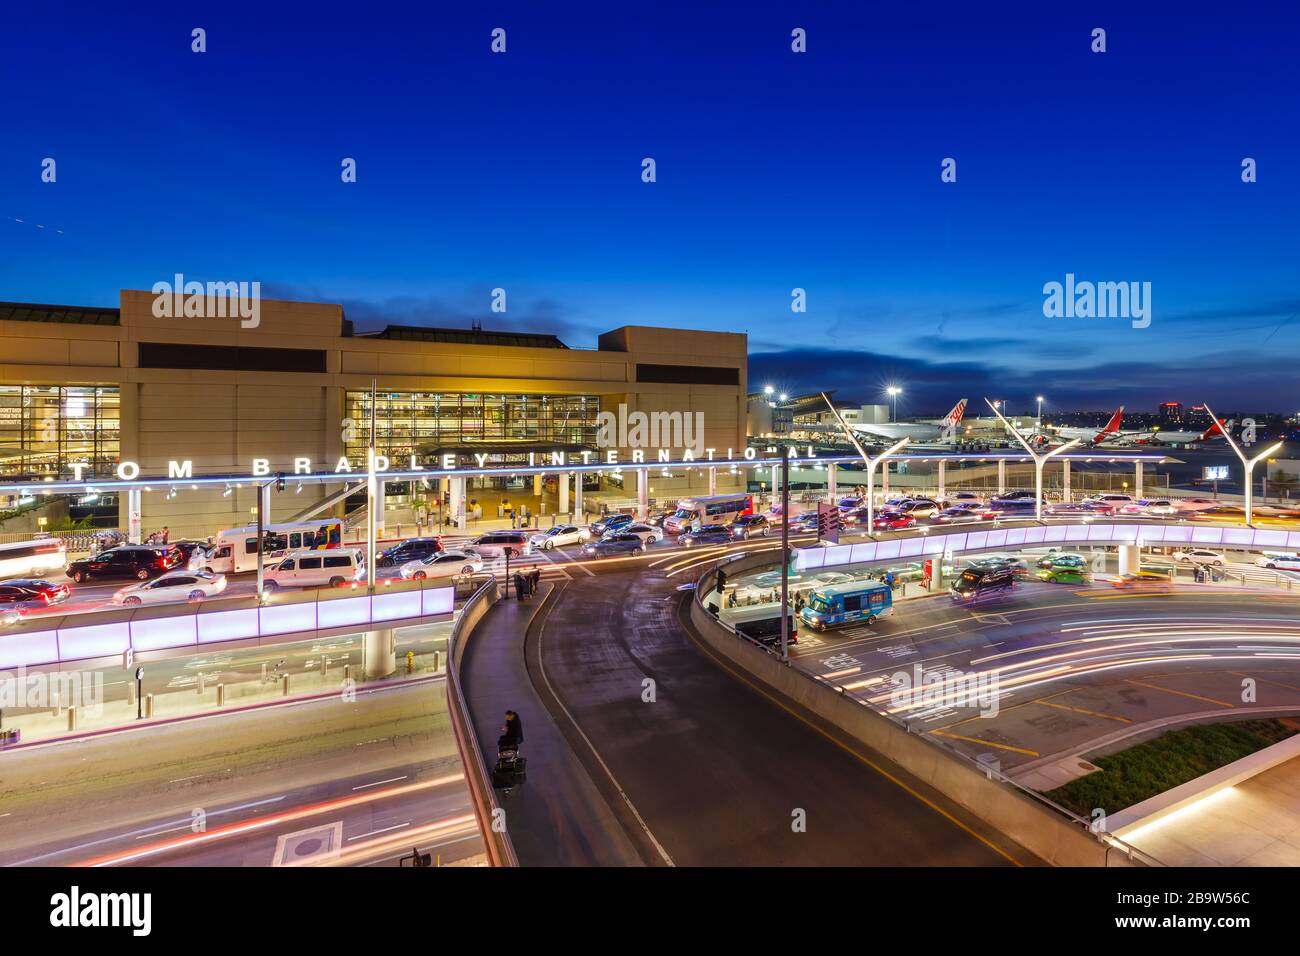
(1249, 464)
(870, 462)
(785, 555)
(1040, 461)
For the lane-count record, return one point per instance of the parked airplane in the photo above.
(944, 429)
(1113, 434)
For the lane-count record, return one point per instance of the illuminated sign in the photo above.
(1214, 473)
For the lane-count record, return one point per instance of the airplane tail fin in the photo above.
(1112, 426)
(954, 417)
(1215, 429)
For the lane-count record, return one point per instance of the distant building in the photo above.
(1171, 413)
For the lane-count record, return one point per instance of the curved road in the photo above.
(721, 773)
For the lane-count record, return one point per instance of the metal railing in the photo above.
(496, 842)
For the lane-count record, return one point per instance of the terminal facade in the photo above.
(85, 389)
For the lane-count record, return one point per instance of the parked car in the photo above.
(193, 553)
(610, 522)
(141, 562)
(316, 569)
(1279, 562)
(751, 526)
(441, 565)
(920, 507)
(618, 543)
(1066, 509)
(497, 543)
(709, 534)
(893, 521)
(954, 498)
(1017, 495)
(172, 586)
(416, 549)
(21, 595)
(1199, 556)
(559, 536)
(1063, 572)
(1011, 508)
(648, 533)
(1015, 565)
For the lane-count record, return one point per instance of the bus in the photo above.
(235, 549)
(850, 603)
(711, 509)
(24, 559)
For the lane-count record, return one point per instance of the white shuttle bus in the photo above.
(710, 509)
(234, 550)
(32, 559)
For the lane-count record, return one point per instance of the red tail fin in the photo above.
(954, 416)
(1112, 426)
(1215, 429)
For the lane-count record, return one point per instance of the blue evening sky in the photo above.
(775, 171)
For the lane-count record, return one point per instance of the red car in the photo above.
(893, 521)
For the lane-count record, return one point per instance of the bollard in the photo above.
(410, 662)
(201, 683)
(72, 718)
(285, 685)
(148, 705)
(324, 664)
(435, 659)
(54, 711)
(130, 693)
(263, 672)
(347, 672)
(221, 695)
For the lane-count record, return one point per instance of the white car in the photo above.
(648, 533)
(172, 586)
(1280, 562)
(559, 536)
(442, 565)
(1199, 556)
(1152, 507)
(960, 499)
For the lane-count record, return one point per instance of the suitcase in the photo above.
(510, 770)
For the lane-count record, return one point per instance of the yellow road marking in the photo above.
(987, 743)
(1084, 710)
(1180, 693)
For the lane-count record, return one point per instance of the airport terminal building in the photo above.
(83, 389)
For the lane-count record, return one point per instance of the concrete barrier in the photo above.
(1051, 834)
(500, 851)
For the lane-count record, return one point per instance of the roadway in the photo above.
(1077, 668)
(326, 782)
(713, 771)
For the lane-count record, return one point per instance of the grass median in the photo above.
(1147, 769)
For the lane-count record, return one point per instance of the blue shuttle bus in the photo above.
(850, 603)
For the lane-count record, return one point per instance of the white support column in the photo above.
(537, 487)
(884, 480)
(577, 497)
(943, 475)
(379, 653)
(379, 506)
(563, 479)
(1002, 475)
(134, 518)
(713, 479)
(642, 493)
(1130, 558)
(1137, 479)
(456, 507)
(1065, 481)
(264, 505)
(832, 475)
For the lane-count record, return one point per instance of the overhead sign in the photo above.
(1214, 472)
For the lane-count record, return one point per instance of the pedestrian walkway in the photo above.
(557, 817)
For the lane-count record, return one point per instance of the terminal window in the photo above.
(44, 429)
(418, 423)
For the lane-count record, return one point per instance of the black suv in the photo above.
(417, 549)
(981, 581)
(141, 562)
(747, 526)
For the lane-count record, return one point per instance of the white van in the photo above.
(316, 569)
(26, 559)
